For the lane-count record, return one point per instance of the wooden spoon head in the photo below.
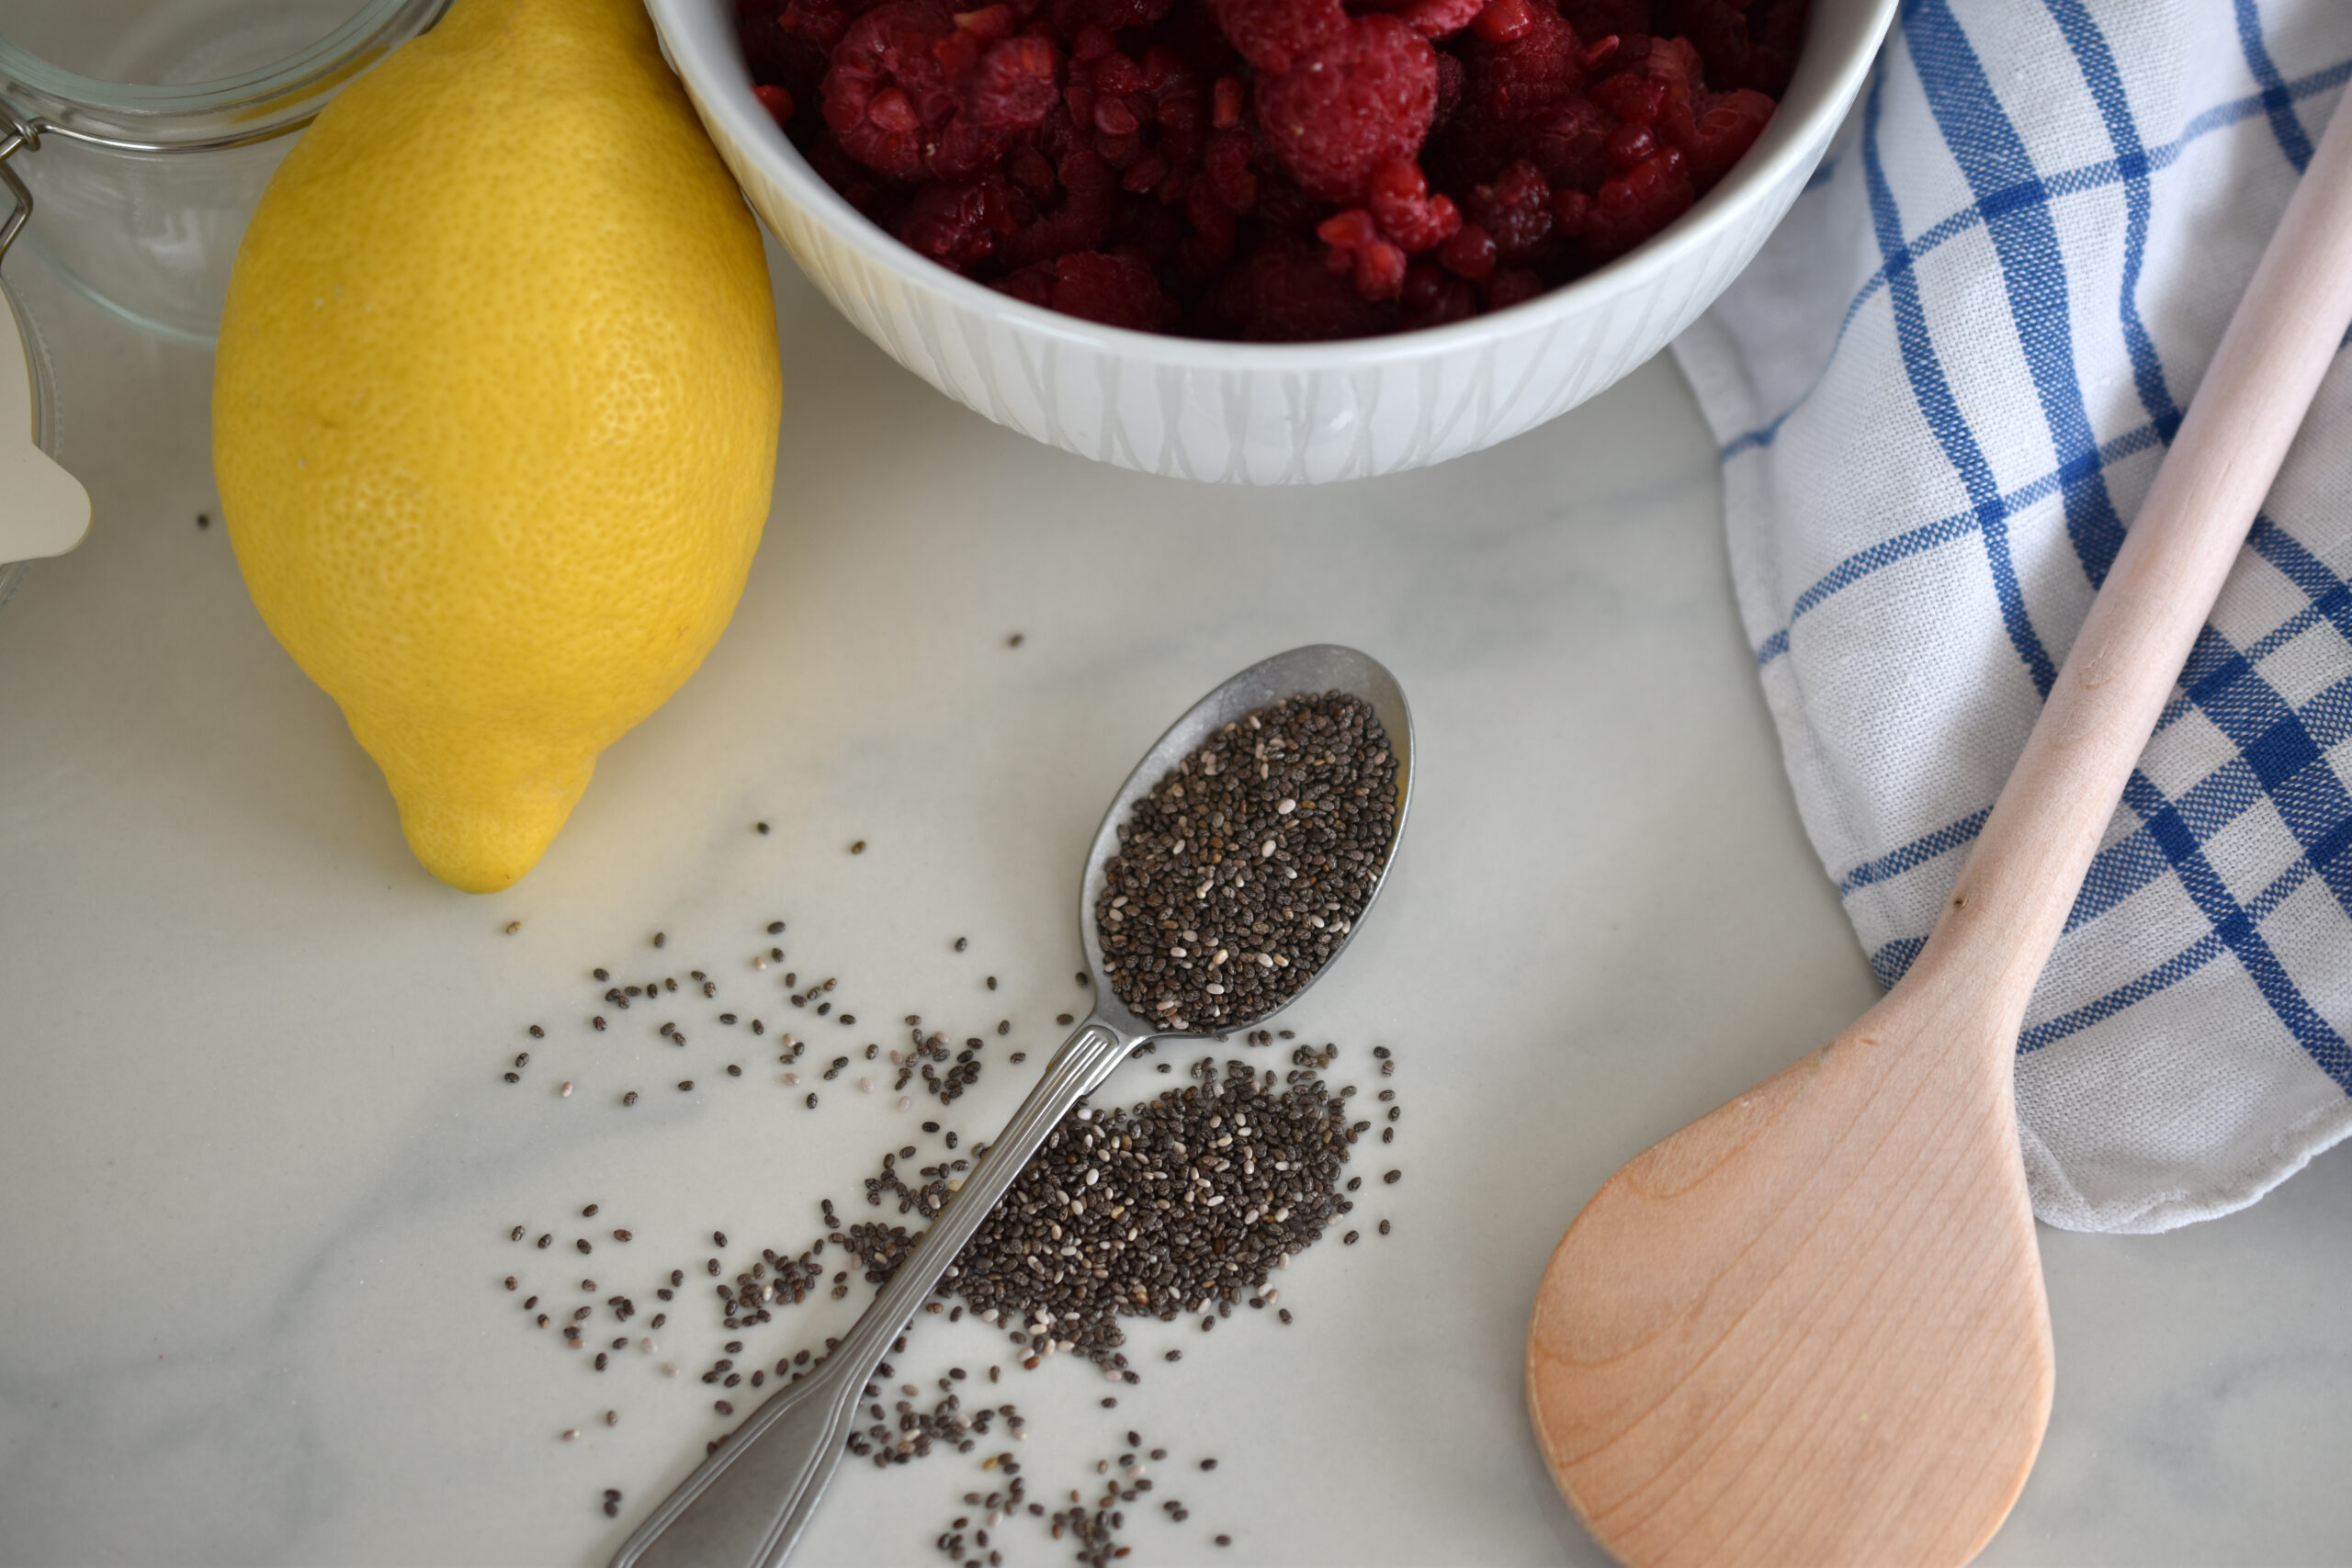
(1808, 1329)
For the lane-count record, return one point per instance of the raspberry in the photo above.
(1283, 293)
(1516, 211)
(959, 223)
(1744, 46)
(1440, 19)
(1407, 212)
(1511, 287)
(776, 101)
(1380, 271)
(988, 23)
(1469, 254)
(791, 48)
(1636, 205)
(1598, 18)
(1508, 89)
(909, 94)
(1276, 170)
(1727, 126)
(1571, 145)
(1272, 34)
(1343, 111)
(1227, 113)
(1079, 223)
(1226, 164)
(1451, 79)
(1111, 16)
(866, 101)
(1505, 21)
(1116, 290)
(1376, 264)
(1012, 88)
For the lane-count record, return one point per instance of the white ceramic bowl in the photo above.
(1270, 413)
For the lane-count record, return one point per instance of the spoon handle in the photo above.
(2009, 905)
(749, 1500)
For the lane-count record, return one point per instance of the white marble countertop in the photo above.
(259, 1166)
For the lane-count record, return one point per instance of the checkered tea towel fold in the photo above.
(1941, 391)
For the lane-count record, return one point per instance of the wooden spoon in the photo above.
(1809, 1329)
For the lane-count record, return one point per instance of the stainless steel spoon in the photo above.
(751, 1499)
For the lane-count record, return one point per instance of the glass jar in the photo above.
(144, 131)
(19, 329)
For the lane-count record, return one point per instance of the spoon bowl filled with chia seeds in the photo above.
(1231, 869)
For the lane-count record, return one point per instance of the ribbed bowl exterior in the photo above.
(1268, 413)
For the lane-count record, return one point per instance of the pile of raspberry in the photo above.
(1272, 170)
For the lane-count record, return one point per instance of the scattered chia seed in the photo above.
(1248, 864)
(858, 848)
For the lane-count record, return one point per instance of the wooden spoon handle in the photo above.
(2009, 905)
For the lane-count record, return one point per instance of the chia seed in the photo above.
(1248, 864)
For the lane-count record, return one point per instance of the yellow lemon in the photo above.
(496, 410)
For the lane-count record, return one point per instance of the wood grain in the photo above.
(1809, 1329)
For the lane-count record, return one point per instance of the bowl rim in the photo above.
(719, 82)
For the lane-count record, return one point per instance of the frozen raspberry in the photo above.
(1343, 111)
(1012, 88)
(1431, 298)
(1405, 211)
(1744, 45)
(1079, 221)
(776, 101)
(1376, 265)
(1225, 163)
(1440, 19)
(1469, 254)
(1116, 290)
(790, 47)
(1225, 112)
(1111, 16)
(1513, 286)
(1204, 252)
(1635, 94)
(1450, 78)
(1516, 209)
(1598, 18)
(1505, 21)
(909, 94)
(1570, 145)
(1276, 170)
(867, 101)
(1726, 127)
(1380, 271)
(1508, 89)
(1283, 293)
(1272, 34)
(959, 223)
(1636, 205)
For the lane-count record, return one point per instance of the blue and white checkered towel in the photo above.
(1941, 391)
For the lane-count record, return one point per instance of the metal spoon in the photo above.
(749, 1500)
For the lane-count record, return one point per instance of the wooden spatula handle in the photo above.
(2009, 905)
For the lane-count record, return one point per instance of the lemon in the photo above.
(494, 413)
